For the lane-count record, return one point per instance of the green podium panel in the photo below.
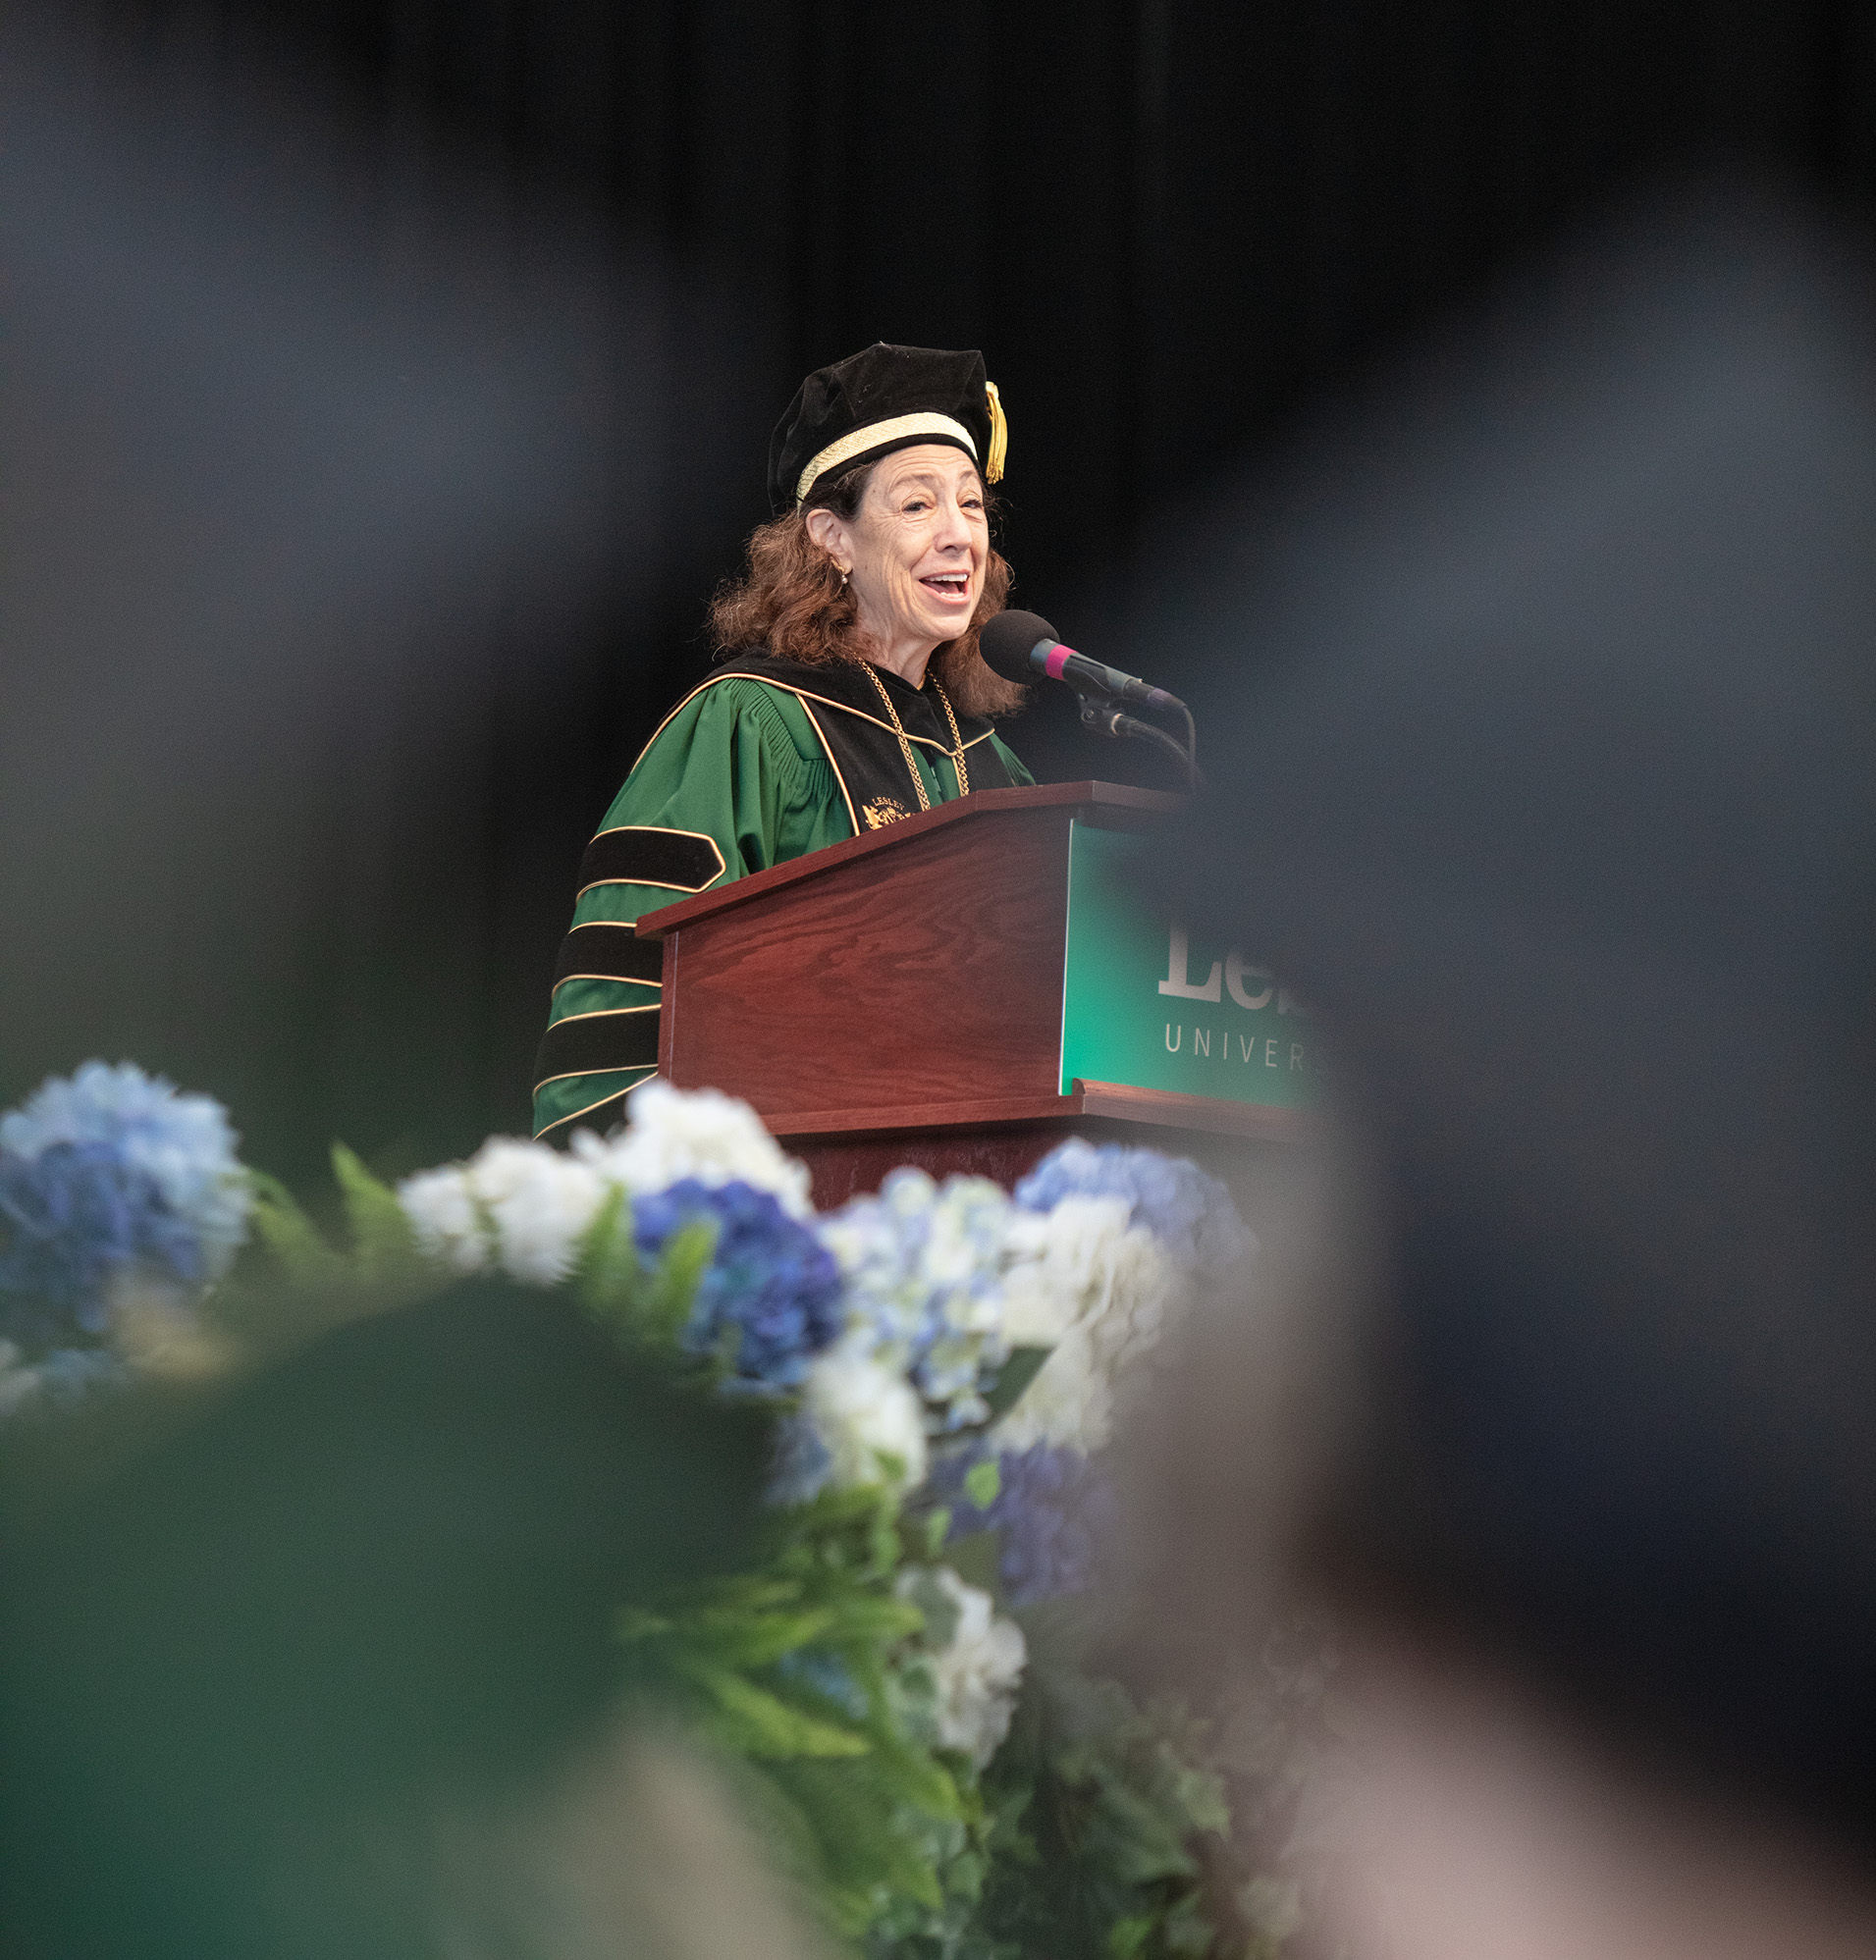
(1148, 1004)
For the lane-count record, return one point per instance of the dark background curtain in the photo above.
(1168, 227)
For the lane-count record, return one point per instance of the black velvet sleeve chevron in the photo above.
(586, 1043)
(606, 951)
(639, 854)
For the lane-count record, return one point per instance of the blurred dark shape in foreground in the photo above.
(1553, 785)
(307, 1675)
(329, 482)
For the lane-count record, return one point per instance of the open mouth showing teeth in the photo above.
(951, 584)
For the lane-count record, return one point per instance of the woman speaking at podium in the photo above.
(851, 692)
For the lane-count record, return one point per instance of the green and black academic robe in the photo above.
(767, 760)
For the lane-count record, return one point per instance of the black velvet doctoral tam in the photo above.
(906, 395)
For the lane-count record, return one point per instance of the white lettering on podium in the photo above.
(1178, 980)
(1249, 1047)
(1235, 972)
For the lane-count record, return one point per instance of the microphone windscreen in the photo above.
(1005, 641)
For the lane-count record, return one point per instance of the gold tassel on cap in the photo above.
(1000, 437)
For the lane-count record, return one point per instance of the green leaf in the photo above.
(760, 1640)
(916, 1776)
(738, 1592)
(687, 1254)
(983, 1482)
(869, 1619)
(835, 1512)
(382, 1240)
(1145, 1844)
(609, 1267)
(1015, 1375)
(756, 1722)
(866, 1838)
(283, 1228)
(1128, 1937)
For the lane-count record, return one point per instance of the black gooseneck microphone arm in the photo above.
(1105, 718)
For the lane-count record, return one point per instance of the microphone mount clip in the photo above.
(1101, 714)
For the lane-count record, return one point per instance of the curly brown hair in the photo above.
(791, 602)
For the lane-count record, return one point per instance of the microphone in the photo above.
(1019, 645)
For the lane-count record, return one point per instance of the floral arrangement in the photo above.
(903, 1681)
(121, 1203)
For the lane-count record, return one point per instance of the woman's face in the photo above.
(915, 549)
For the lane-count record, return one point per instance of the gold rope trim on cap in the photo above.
(875, 433)
(999, 435)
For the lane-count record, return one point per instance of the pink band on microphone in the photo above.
(1056, 659)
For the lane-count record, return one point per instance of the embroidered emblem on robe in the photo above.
(861, 742)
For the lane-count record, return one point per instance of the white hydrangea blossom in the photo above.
(1069, 1405)
(862, 1412)
(922, 1265)
(522, 1207)
(1082, 1261)
(185, 1144)
(441, 1209)
(541, 1203)
(676, 1133)
(976, 1672)
(1095, 1289)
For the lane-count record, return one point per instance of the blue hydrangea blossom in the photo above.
(182, 1144)
(770, 1299)
(924, 1265)
(1187, 1209)
(72, 1217)
(1052, 1511)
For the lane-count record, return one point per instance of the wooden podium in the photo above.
(897, 998)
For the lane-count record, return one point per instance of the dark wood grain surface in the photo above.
(927, 972)
(896, 998)
(1102, 799)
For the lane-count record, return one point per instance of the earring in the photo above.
(843, 580)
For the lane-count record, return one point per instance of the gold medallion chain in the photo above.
(957, 741)
(905, 741)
